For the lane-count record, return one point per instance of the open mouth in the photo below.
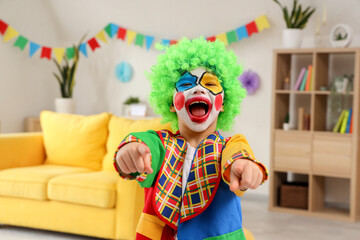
(198, 109)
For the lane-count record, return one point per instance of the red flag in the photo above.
(172, 42)
(211, 39)
(46, 52)
(3, 27)
(251, 28)
(121, 33)
(93, 44)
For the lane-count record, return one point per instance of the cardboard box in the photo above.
(294, 195)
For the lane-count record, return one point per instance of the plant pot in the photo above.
(292, 38)
(135, 110)
(65, 105)
(286, 126)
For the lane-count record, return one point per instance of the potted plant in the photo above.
(133, 107)
(295, 21)
(66, 79)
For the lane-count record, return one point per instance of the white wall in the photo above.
(27, 85)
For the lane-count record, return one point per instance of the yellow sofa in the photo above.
(63, 178)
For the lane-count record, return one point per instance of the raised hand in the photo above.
(134, 157)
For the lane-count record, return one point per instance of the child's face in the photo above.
(198, 99)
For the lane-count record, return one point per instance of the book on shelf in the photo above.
(348, 121)
(303, 119)
(309, 78)
(303, 81)
(299, 79)
(344, 122)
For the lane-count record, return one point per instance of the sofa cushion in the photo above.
(75, 140)
(31, 182)
(119, 127)
(95, 189)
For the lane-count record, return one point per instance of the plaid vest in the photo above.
(202, 183)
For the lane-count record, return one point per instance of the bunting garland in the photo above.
(131, 37)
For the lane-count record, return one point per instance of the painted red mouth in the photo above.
(198, 109)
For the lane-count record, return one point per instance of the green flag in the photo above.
(139, 40)
(21, 42)
(231, 36)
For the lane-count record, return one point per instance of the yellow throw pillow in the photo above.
(119, 127)
(75, 140)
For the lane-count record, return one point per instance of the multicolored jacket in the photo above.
(207, 209)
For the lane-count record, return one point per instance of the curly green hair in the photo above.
(187, 55)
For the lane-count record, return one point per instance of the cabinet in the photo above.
(326, 162)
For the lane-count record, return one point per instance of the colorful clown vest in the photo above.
(202, 183)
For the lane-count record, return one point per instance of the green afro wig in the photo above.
(187, 55)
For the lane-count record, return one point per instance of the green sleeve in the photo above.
(153, 141)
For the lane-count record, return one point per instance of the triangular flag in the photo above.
(111, 29)
(173, 42)
(242, 32)
(130, 36)
(93, 44)
(139, 41)
(149, 41)
(59, 54)
(262, 22)
(222, 37)
(82, 48)
(101, 36)
(121, 33)
(3, 27)
(251, 28)
(46, 53)
(70, 52)
(33, 48)
(21, 42)
(211, 39)
(10, 34)
(231, 37)
(165, 42)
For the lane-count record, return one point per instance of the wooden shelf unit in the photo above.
(316, 156)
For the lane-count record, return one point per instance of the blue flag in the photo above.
(242, 33)
(82, 48)
(33, 48)
(149, 41)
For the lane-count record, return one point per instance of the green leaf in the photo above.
(293, 11)
(305, 19)
(286, 18)
(297, 16)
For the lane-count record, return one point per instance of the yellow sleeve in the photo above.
(238, 148)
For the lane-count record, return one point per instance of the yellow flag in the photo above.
(59, 54)
(261, 23)
(222, 37)
(101, 36)
(130, 36)
(10, 34)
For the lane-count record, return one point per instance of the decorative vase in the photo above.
(65, 105)
(292, 37)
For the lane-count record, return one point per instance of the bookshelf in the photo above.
(322, 160)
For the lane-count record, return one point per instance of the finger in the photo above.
(122, 166)
(129, 161)
(246, 178)
(145, 154)
(234, 181)
(259, 179)
(138, 161)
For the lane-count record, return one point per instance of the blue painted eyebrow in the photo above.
(186, 82)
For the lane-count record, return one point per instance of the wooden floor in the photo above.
(263, 224)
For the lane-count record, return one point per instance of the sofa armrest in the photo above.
(21, 149)
(129, 206)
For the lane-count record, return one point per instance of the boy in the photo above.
(191, 177)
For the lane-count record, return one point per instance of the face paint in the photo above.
(198, 99)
